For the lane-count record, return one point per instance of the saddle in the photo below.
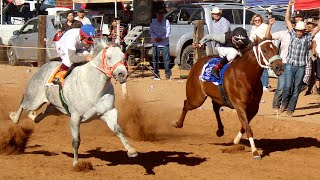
(57, 76)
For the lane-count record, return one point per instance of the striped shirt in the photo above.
(299, 49)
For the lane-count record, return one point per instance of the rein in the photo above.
(259, 54)
(106, 69)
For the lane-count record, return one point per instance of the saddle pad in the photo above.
(206, 75)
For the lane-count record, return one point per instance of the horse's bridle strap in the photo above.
(106, 69)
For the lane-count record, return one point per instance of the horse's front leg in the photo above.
(245, 119)
(75, 133)
(216, 109)
(111, 118)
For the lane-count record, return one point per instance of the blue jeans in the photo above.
(277, 98)
(265, 78)
(166, 59)
(293, 81)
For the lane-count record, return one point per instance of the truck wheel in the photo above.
(12, 59)
(187, 58)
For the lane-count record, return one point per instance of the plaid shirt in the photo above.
(298, 49)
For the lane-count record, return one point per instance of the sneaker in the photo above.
(282, 109)
(156, 78)
(289, 114)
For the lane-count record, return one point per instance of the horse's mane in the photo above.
(99, 44)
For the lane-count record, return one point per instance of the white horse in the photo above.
(87, 91)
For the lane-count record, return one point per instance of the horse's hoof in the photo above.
(176, 125)
(12, 116)
(220, 133)
(132, 153)
(256, 155)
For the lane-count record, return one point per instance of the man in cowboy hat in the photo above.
(296, 62)
(220, 24)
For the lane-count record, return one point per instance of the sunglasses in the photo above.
(257, 20)
(215, 14)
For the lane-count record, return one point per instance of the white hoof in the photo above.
(74, 163)
(32, 115)
(12, 116)
(132, 153)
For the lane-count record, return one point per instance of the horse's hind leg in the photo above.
(50, 110)
(187, 107)
(216, 109)
(111, 118)
(15, 116)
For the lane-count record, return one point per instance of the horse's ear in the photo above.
(257, 41)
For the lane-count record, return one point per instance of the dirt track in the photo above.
(290, 147)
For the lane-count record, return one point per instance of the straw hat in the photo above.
(215, 10)
(300, 26)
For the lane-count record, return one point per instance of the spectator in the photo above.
(259, 28)
(316, 54)
(160, 31)
(82, 18)
(296, 62)
(310, 77)
(220, 24)
(70, 23)
(113, 33)
(284, 38)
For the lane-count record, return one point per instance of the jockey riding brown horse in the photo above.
(242, 86)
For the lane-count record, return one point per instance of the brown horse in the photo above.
(242, 86)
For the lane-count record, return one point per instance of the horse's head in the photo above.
(112, 60)
(266, 50)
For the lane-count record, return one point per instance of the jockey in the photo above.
(74, 47)
(233, 43)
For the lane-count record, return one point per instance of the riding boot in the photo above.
(60, 75)
(217, 68)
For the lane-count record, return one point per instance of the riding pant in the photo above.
(229, 52)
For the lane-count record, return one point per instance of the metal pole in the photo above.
(115, 9)
(244, 15)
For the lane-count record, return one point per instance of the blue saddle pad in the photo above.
(207, 68)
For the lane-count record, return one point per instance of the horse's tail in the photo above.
(15, 116)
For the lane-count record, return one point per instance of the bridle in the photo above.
(259, 54)
(106, 69)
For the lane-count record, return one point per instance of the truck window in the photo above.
(227, 13)
(249, 15)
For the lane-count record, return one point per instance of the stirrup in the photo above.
(56, 81)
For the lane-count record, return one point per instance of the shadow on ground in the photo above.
(148, 160)
(269, 146)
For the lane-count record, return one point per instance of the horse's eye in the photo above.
(265, 51)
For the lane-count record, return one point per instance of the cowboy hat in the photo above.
(300, 26)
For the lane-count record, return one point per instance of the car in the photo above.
(24, 42)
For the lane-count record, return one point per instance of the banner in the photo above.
(267, 2)
(306, 4)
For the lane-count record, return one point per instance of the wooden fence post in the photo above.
(41, 40)
(197, 35)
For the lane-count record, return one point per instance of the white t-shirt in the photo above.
(259, 31)
(284, 38)
(84, 20)
(317, 40)
(69, 40)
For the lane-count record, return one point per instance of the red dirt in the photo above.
(289, 146)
